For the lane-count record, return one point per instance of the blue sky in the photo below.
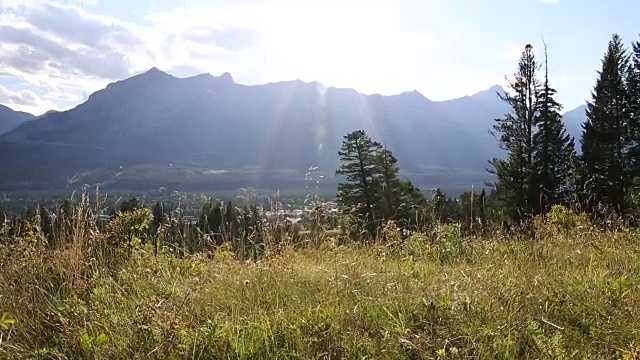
(54, 54)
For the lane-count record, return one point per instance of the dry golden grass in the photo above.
(556, 297)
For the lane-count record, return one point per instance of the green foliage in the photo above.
(439, 294)
(6, 321)
(372, 193)
(359, 195)
(451, 295)
(554, 158)
(632, 134)
(132, 224)
(562, 221)
(605, 169)
(539, 170)
(90, 345)
(516, 136)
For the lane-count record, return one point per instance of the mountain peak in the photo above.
(493, 89)
(413, 95)
(226, 77)
(154, 72)
(496, 88)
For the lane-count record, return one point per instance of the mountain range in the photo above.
(207, 133)
(10, 119)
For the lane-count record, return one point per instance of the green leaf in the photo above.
(85, 341)
(6, 321)
(102, 339)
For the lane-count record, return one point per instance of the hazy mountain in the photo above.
(10, 119)
(157, 130)
(573, 120)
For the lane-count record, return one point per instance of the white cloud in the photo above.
(321, 43)
(22, 4)
(24, 100)
(68, 51)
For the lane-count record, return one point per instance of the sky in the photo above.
(54, 54)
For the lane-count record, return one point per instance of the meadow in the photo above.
(566, 290)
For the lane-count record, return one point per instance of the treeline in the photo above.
(541, 167)
(245, 229)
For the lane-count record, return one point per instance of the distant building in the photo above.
(191, 220)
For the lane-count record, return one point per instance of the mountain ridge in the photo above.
(204, 122)
(10, 119)
(491, 90)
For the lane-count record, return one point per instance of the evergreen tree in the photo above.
(633, 127)
(158, 215)
(392, 199)
(412, 201)
(130, 205)
(360, 166)
(442, 205)
(605, 132)
(373, 191)
(554, 151)
(482, 210)
(515, 173)
(229, 227)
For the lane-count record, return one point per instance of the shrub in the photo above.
(561, 221)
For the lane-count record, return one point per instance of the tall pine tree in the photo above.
(605, 171)
(360, 194)
(554, 151)
(373, 190)
(633, 127)
(514, 174)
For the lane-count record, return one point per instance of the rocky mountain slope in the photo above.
(154, 129)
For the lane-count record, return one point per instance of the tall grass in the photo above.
(114, 292)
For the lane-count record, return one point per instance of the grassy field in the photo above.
(571, 295)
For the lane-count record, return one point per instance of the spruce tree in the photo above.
(554, 151)
(412, 201)
(391, 187)
(605, 170)
(441, 206)
(516, 131)
(373, 190)
(360, 194)
(633, 127)
(482, 210)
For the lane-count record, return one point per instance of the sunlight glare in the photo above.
(357, 47)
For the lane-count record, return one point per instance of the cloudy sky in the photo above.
(54, 54)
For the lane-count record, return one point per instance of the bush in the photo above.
(561, 221)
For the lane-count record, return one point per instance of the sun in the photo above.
(343, 46)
